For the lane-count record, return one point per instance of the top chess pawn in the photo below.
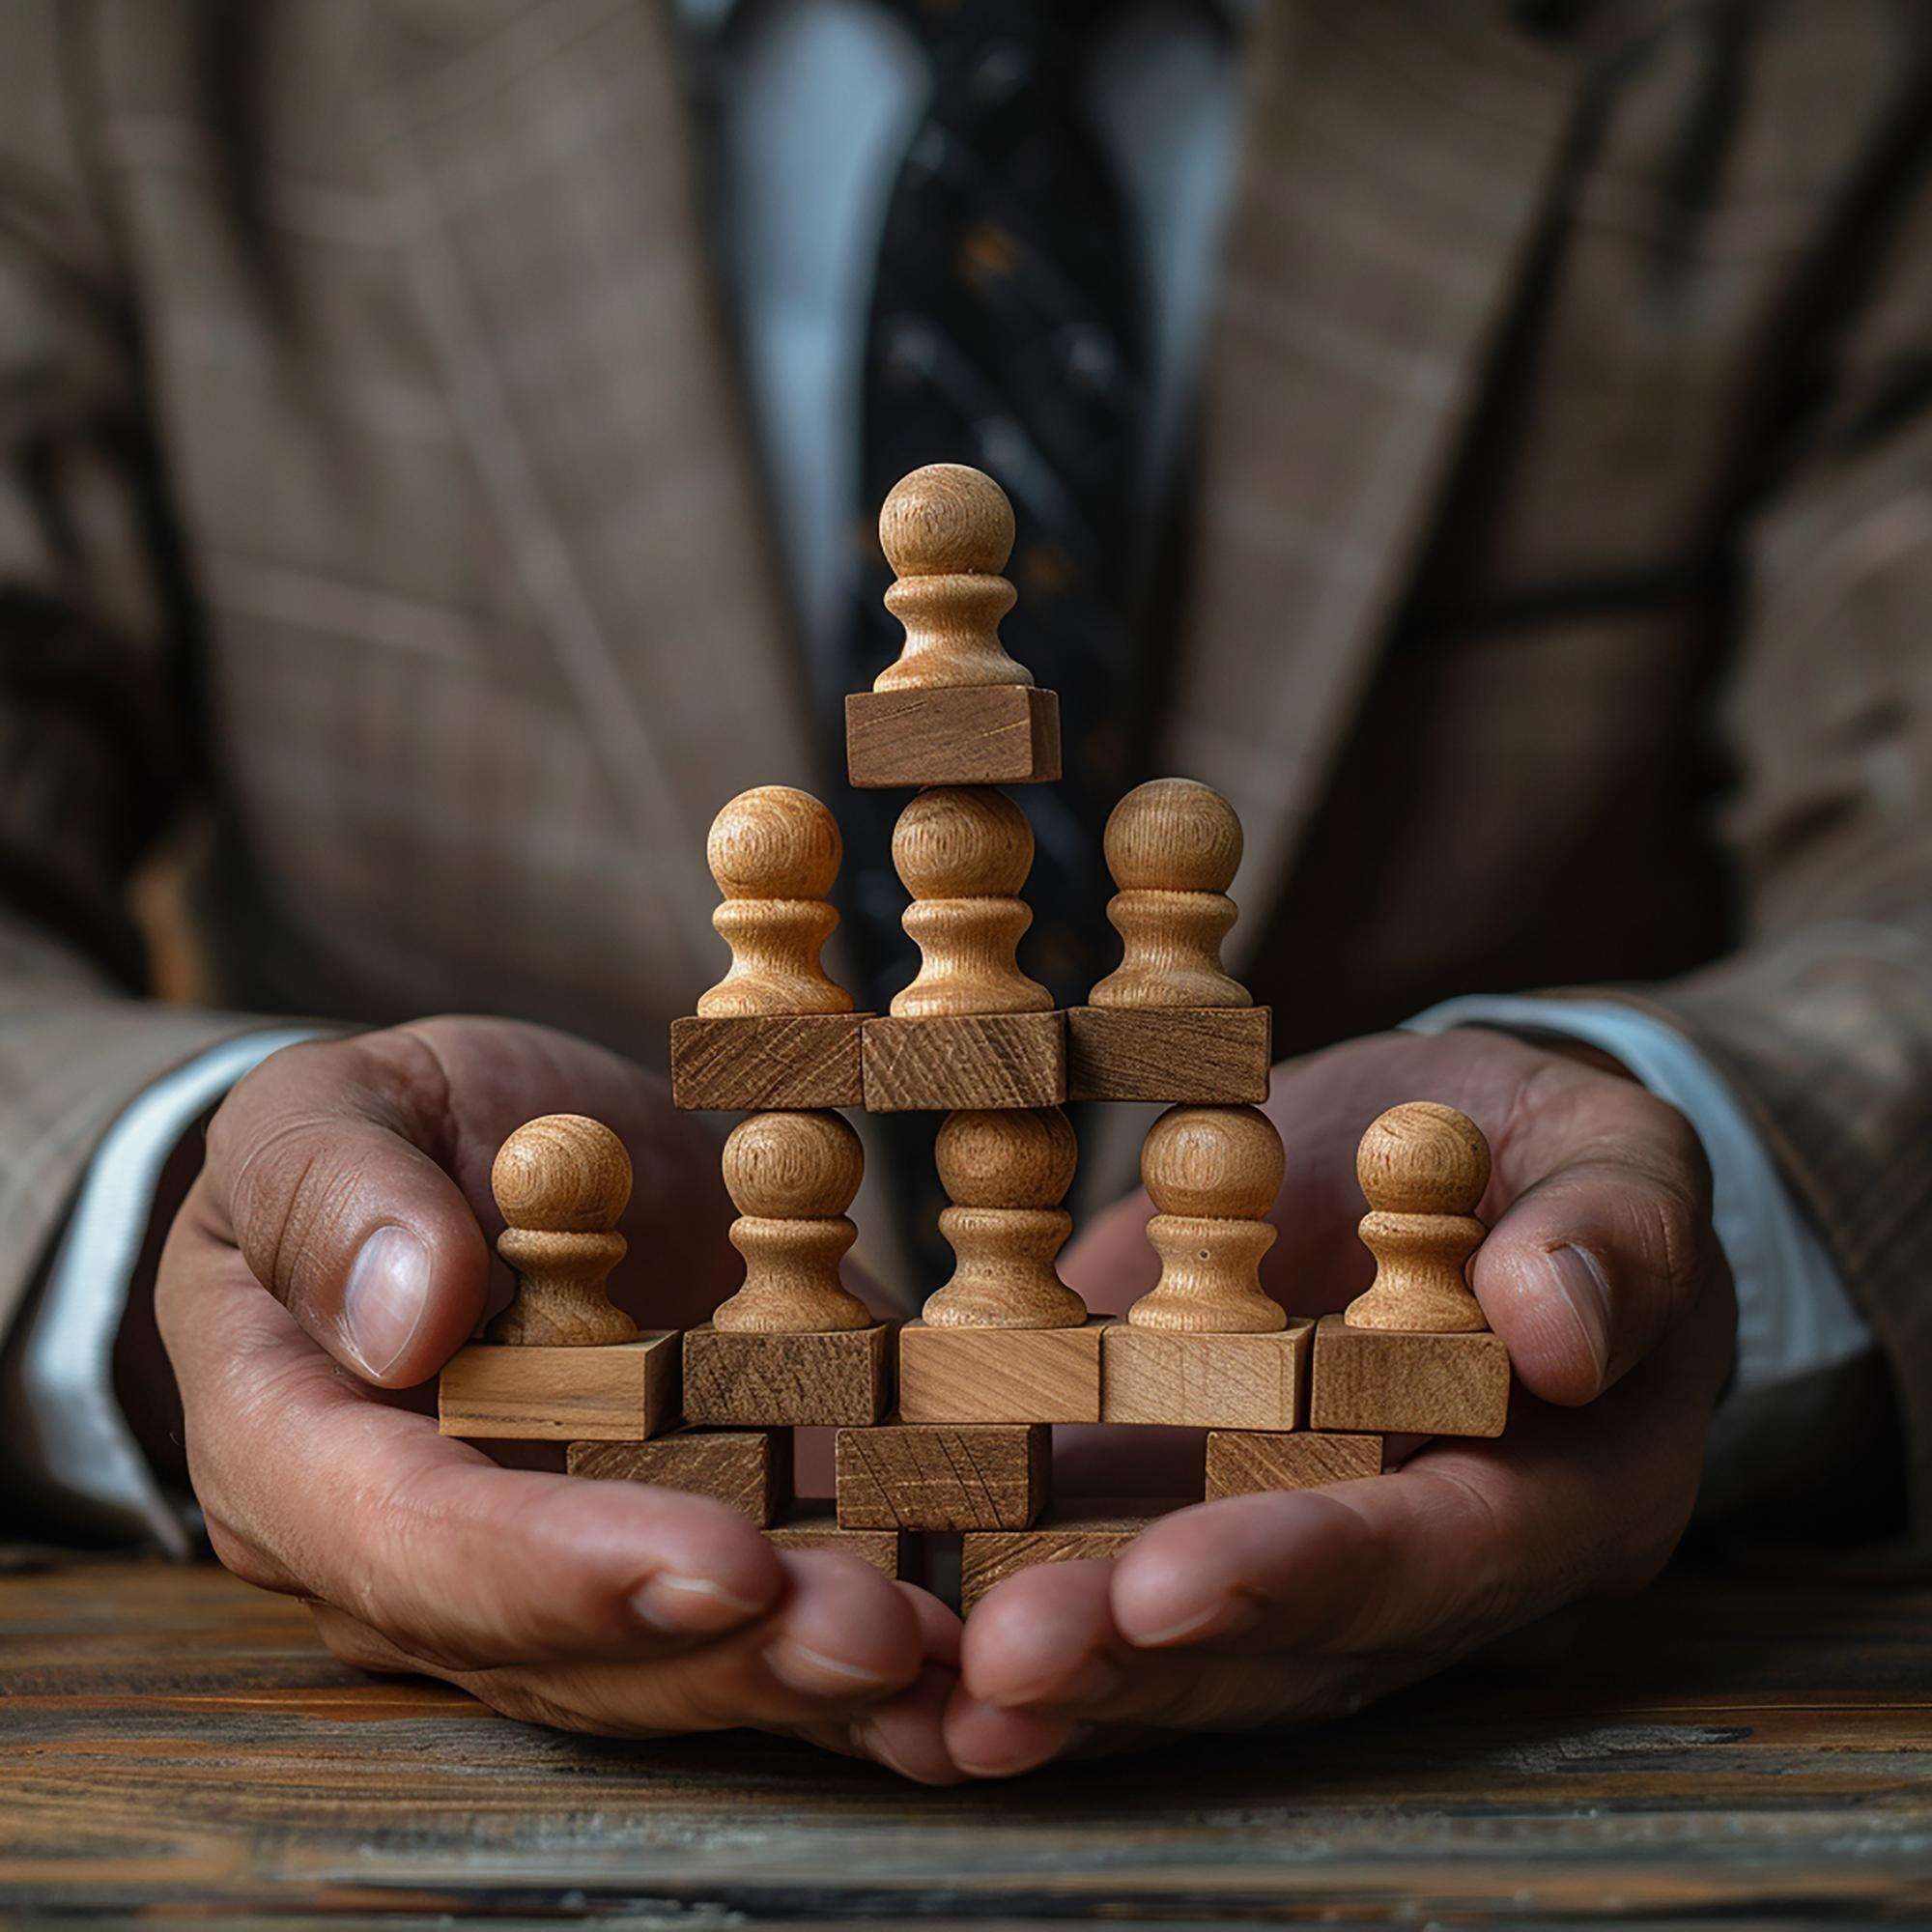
(774, 853)
(948, 531)
(1423, 1168)
(561, 1184)
(1173, 846)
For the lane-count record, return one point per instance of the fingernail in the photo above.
(676, 1605)
(1074, 1738)
(388, 1289)
(1580, 1277)
(1225, 1618)
(1097, 1680)
(813, 1674)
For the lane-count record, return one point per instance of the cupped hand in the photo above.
(333, 1248)
(1601, 1274)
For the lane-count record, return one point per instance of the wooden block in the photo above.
(1189, 1381)
(1241, 1462)
(618, 1392)
(758, 1061)
(740, 1378)
(984, 734)
(943, 1476)
(1398, 1382)
(1000, 1374)
(1203, 1056)
(813, 1526)
(749, 1470)
(1070, 1532)
(965, 1061)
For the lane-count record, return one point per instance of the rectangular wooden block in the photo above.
(1070, 1532)
(621, 1393)
(1241, 1462)
(943, 1476)
(1205, 1381)
(988, 734)
(737, 1380)
(749, 1470)
(1000, 1374)
(971, 1059)
(1200, 1056)
(1390, 1382)
(812, 1527)
(768, 1060)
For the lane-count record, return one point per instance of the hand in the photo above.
(331, 1249)
(1601, 1274)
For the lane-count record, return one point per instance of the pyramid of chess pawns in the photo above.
(944, 1424)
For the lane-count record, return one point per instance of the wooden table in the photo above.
(173, 1742)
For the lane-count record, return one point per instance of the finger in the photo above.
(423, 1538)
(353, 1176)
(798, 1670)
(1606, 1245)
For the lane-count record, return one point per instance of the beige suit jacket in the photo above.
(375, 470)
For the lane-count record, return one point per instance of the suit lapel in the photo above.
(542, 162)
(1397, 161)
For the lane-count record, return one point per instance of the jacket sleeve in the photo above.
(94, 737)
(1823, 1020)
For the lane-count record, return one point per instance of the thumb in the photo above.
(318, 1171)
(1597, 1259)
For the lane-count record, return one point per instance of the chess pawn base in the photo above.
(791, 1278)
(560, 1300)
(1419, 1282)
(1209, 1280)
(1005, 1277)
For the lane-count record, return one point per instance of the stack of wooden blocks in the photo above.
(944, 1425)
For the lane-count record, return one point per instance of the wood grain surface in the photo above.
(767, 1060)
(748, 1469)
(1214, 1056)
(1381, 1382)
(1205, 1381)
(492, 1392)
(967, 1061)
(944, 1476)
(989, 735)
(174, 1743)
(841, 1379)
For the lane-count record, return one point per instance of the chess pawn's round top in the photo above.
(793, 1167)
(963, 852)
(792, 1176)
(1225, 1163)
(1006, 1172)
(561, 1184)
(948, 531)
(1213, 1173)
(1007, 1157)
(1423, 1158)
(1173, 846)
(1423, 1168)
(774, 853)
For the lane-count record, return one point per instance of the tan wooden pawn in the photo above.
(775, 852)
(1213, 1173)
(963, 853)
(792, 1176)
(561, 1184)
(1173, 846)
(1006, 1172)
(1423, 1168)
(948, 531)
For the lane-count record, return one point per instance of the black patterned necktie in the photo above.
(1006, 330)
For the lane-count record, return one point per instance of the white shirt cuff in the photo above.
(85, 1448)
(1794, 1317)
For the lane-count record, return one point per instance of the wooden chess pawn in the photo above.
(775, 852)
(1173, 846)
(561, 1184)
(963, 853)
(948, 531)
(1213, 1173)
(791, 1177)
(1005, 1173)
(1423, 1169)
